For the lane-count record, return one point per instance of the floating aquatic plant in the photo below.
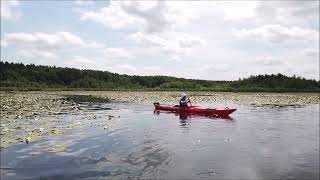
(86, 98)
(57, 148)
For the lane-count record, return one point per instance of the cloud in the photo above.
(125, 69)
(287, 12)
(277, 33)
(116, 53)
(274, 12)
(112, 16)
(240, 10)
(149, 39)
(188, 41)
(94, 45)
(3, 43)
(45, 45)
(268, 61)
(152, 68)
(151, 24)
(145, 16)
(10, 9)
(216, 68)
(311, 52)
(81, 62)
(172, 43)
(175, 58)
(44, 40)
(83, 2)
(32, 53)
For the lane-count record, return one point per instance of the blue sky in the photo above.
(212, 40)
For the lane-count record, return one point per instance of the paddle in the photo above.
(190, 102)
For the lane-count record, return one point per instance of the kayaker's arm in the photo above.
(189, 102)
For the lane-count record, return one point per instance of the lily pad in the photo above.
(86, 98)
(33, 136)
(7, 141)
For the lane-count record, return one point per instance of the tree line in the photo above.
(17, 76)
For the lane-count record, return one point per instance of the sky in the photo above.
(212, 40)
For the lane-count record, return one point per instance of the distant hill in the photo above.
(17, 76)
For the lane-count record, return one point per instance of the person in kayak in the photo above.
(184, 100)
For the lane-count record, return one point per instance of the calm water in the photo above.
(257, 143)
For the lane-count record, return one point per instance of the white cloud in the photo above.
(239, 10)
(81, 62)
(175, 58)
(125, 69)
(287, 12)
(268, 61)
(116, 53)
(83, 2)
(152, 68)
(188, 41)
(94, 45)
(173, 43)
(216, 68)
(33, 53)
(274, 12)
(277, 33)
(113, 15)
(45, 45)
(3, 43)
(152, 24)
(149, 39)
(311, 52)
(10, 9)
(146, 16)
(44, 40)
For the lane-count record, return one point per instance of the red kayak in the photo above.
(195, 109)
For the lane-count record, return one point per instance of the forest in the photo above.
(18, 76)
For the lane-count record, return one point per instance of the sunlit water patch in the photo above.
(130, 140)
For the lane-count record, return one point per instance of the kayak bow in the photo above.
(195, 109)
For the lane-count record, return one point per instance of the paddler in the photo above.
(184, 100)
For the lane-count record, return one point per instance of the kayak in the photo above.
(195, 109)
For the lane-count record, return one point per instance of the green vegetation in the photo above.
(17, 76)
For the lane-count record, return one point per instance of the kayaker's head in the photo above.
(183, 94)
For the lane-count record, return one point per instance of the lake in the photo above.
(130, 140)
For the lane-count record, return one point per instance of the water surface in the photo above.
(255, 143)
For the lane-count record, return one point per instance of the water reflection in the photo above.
(93, 107)
(183, 116)
(147, 158)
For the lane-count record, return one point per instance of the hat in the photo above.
(183, 94)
